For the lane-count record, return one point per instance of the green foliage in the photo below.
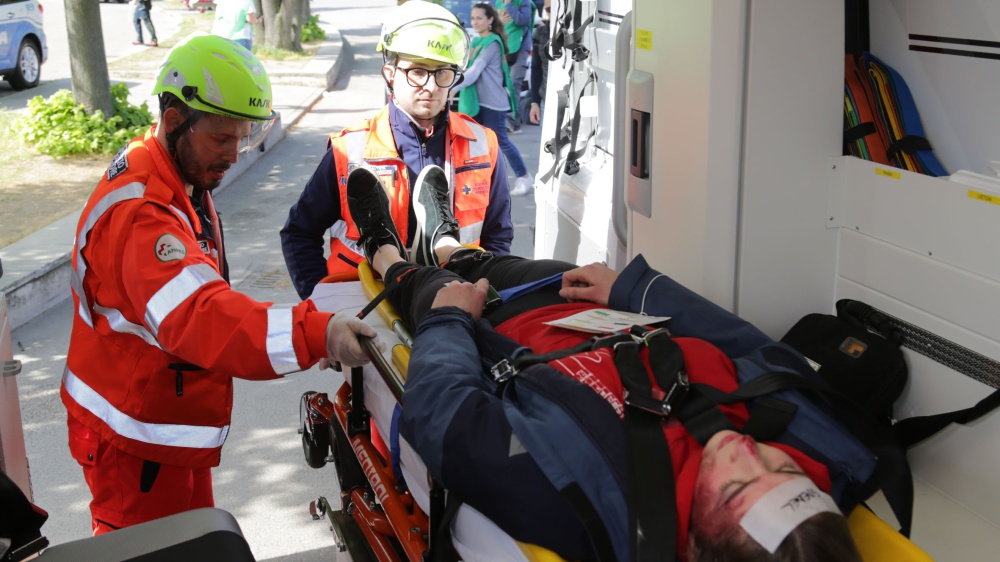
(59, 126)
(311, 31)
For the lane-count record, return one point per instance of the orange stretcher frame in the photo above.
(372, 505)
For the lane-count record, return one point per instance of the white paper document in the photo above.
(599, 321)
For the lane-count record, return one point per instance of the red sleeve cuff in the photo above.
(316, 322)
(313, 325)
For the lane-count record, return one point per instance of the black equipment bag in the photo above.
(857, 352)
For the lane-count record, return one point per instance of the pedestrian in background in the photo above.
(539, 65)
(518, 18)
(234, 20)
(141, 14)
(487, 93)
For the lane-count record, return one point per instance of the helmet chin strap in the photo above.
(184, 127)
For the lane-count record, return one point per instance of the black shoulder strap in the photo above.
(652, 498)
(866, 317)
(914, 430)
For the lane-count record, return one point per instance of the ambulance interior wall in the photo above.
(956, 94)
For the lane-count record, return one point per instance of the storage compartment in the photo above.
(924, 250)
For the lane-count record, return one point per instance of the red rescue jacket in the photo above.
(158, 334)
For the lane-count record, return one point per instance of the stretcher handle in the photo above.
(372, 288)
(385, 370)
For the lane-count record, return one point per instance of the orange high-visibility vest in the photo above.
(474, 153)
(157, 332)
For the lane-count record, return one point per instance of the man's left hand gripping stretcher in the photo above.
(343, 343)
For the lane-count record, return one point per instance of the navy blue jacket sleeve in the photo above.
(498, 230)
(458, 427)
(303, 238)
(690, 314)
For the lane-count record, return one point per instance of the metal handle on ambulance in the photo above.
(640, 185)
(623, 58)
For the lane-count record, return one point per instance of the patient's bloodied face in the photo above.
(735, 472)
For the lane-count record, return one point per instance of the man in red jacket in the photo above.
(158, 333)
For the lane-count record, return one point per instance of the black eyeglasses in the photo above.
(418, 77)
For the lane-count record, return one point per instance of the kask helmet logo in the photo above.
(260, 102)
(439, 46)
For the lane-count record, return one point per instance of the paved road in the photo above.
(263, 479)
(118, 31)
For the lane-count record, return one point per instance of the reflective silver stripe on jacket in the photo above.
(355, 141)
(339, 231)
(180, 214)
(470, 234)
(118, 323)
(134, 190)
(280, 350)
(176, 291)
(173, 435)
(480, 146)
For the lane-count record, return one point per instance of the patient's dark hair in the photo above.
(824, 537)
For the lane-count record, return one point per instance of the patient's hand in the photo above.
(470, 297)
(589, 283)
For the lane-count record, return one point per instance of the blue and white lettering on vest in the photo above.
(119, 163)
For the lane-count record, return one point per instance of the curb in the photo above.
(35, 292)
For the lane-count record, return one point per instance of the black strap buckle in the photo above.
(502, 371)
(675, 394)
(641, 397)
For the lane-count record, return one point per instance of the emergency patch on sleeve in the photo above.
(118, 164)
(169, 248)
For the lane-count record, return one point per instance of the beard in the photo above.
(190, 166)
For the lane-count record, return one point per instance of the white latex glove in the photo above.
(342, 340)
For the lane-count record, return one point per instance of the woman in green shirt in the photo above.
(486, 92)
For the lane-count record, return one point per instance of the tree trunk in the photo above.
(304, 12)
(258, 28)
(87, 62)
(282, 27)
(271, 23)
(291, 27)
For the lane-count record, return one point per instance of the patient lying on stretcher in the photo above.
(737, 499)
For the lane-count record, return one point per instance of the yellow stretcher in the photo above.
(375, 521)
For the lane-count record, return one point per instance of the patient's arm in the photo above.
(457, 425)
(640, 288)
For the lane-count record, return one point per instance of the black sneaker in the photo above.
(369, 207)
(432, 206)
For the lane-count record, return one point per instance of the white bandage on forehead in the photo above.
(778, 512)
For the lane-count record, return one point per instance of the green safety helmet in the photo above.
(423, 30)
(212, 74)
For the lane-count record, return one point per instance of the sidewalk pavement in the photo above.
(36, 269)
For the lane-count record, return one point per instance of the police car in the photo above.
(22, 42)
